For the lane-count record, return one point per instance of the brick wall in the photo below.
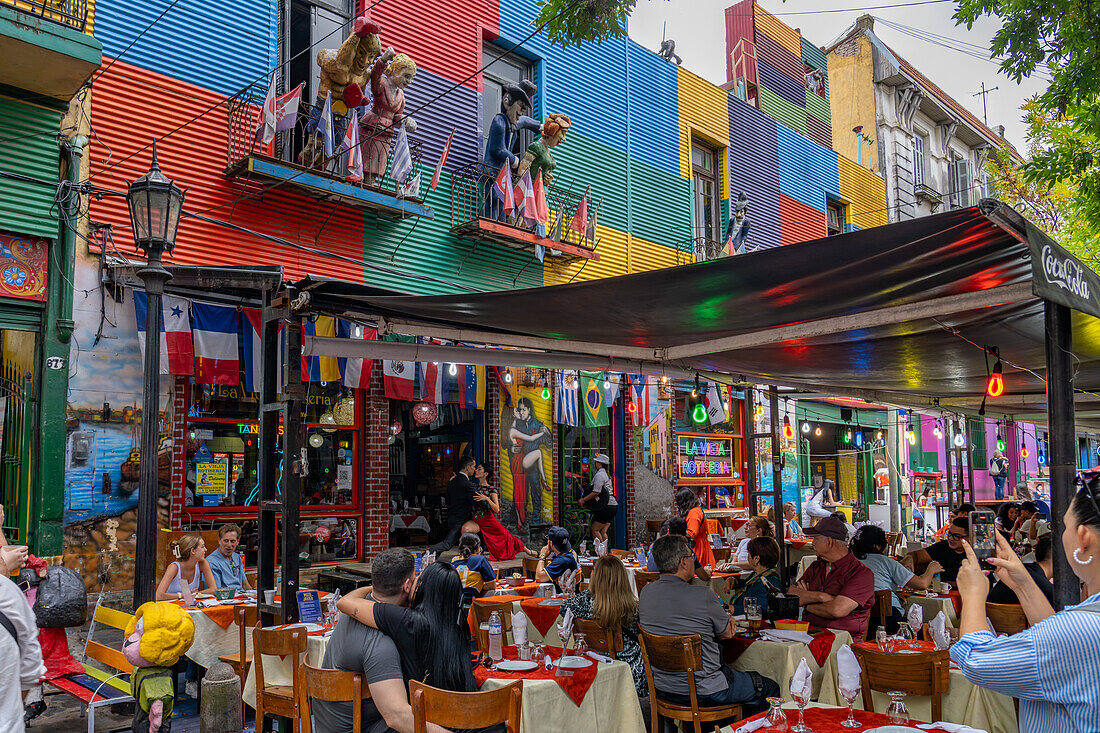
(178, 398)
(375, 530)
(632, 437)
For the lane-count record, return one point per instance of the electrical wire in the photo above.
(137, 38)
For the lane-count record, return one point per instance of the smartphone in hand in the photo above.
(983, 534)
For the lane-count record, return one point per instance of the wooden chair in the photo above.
(652, 527)
(1006, 618)
(622, 554)
(682, 654)
(721, 554)
(245, 616)
(465, 709)
(331, 685)
(600, 639)
(586, 570)
(642, 577)
(530, 564)
(482, 612)
(279, 700)
(883, 602)
(582, 585)
(914, 674)
(893, 543)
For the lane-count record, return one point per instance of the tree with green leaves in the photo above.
(572, 22)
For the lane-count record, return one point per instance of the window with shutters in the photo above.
(707, 195)
(961, 182)
(979, 461)
(920, 148)
(837, 216)
(502, 69)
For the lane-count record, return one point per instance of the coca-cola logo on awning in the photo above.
(1065, 273)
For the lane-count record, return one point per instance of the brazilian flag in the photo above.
(595, 408)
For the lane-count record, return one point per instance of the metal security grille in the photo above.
(17, 401)
(71, 13)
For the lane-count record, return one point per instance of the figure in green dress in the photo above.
(539, 157)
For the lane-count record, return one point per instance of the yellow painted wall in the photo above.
(611, 244)
(852, 101)
(704, 113)
(646, 255)
(865, 193)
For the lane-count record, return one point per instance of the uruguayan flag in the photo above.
(402, 164)
(566, 411)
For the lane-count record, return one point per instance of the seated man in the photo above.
(1042, 570)
(962, 510)
(672, 606)
(357, 647)
(837, 591)
(1030, 525)
(948, 553)
(226, 564)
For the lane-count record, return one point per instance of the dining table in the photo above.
(931, 603)
(778, 660)
(821, 718)
(215, 631)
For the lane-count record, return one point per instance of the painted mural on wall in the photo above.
(526, 459)
(23, 266)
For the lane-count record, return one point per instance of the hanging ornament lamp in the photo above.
(424, 413)
(316, 440)
(788, 431)
(344, 412)
(395, 427)
(806, 427)
(327, 419)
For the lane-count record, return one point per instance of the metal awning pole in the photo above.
(777, 484)
(1063, 463)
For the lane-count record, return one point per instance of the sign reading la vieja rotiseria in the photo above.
(704, 459)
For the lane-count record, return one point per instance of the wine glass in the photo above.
(897, 713)
(801, 727)
(882, 639)
(905, 633)
(850, 698)
(776, 718)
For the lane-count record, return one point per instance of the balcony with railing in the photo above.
(476, 213)
(296, 157)
(698, 249)
(47, 47)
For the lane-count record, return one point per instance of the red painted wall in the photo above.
(799, 222)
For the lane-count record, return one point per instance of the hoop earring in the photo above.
(1077, 557)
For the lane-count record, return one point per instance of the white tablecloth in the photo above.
(212, 641)
(932, 606)
(418, 523)
(778, 660)
(278, 670)
(610, 706)
(963, 703)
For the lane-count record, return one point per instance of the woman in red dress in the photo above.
(499, 543)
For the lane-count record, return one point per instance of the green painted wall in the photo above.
(28, 147)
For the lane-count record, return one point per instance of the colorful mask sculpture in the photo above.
(156, 638)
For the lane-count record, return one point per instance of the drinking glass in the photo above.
(580, 646)
(776, 718)
(946, 587)
(850, 698)
(897, 713)
(882, 639)
(801, 726)
(905, 634)
(753, 615)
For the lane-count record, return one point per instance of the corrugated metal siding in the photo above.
(818, 131)
(612, 246)
(660, 204)
(807, 171)
(704, 110)
(773, 52)
(819, 107)
(654, 132)
(646, 255)
(813, 56)
(28, 145)
(780, 109)
(866, 192)
(754, 152)
(582, 161)
(739, 27)
(800, 223)
(221, 46)
(783, 85)
(127, 117)
(460, 108)
(778, 30)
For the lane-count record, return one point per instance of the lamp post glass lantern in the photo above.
(155, 204)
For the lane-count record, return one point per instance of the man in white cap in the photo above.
(601, 500)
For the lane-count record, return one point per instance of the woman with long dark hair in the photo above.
(431, 635)
(499, 542)
(687, 505)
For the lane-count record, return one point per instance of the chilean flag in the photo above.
(356, 372)
(503, 188)
(176, 350)
(215, 340)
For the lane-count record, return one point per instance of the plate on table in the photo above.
(573, 662)
(516, 665)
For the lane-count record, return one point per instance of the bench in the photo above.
(97, 687)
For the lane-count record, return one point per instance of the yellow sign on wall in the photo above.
(211, 478)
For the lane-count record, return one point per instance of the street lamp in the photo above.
(155, 204)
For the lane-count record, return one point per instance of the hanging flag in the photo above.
(429, 381)
(399, 377)
(355, 373)
(319, 368)
(716, 409)
(410, 190)
(639, 395)
(176, 350)
(252, 344)
(590, 230)
(502, 186)
(565, 398)
(525, 198)
(442, 159)
(541, 214)
(351, 145)
(540, 252)
(595, 409)
(471, 386)
(214, 331)
(278, 113)
(402, 164)
(610, 390)
(325, 127)
(580, 216)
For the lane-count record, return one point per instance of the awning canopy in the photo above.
(899, 313)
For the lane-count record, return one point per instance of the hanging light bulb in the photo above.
(788, 431)
(937, 431)
(859, 439)
(910, 435)
(995, 387)
(630, 407)
(760, 410)
(817, 431)
(607, 382)
(695, 389)
(848, 435)
(806, 427)
(1042, 458)
(452, 369)
(699, 413)
(546, 393)
(878, 435)
(1024, 452)
(508, 377)
(1000, 442)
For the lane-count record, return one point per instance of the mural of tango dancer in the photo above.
(523, 436)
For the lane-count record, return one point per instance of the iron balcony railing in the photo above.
(71, 13)
(473, 201)
(287, 147)
(698, 249)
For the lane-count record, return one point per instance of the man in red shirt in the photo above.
(837, 591)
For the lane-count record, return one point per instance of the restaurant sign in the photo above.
(704, 459)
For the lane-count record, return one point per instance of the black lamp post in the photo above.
(155, 204)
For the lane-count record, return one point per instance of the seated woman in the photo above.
(823, 502)
(763, 559)
(556, 558)
(474, 570)
(868, 545)
(499, 542)
(676, 526)
(791, 528)
(609, 600)
(755, 527)
(190, 564)
(1006, 519)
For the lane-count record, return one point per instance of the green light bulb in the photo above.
(1000, 445)
(546, 393)
(699, 414)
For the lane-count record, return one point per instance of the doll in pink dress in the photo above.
(389, 76)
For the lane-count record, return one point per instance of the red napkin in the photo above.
(828, 720)
(576, 687)
(543, 617)
(734, 647)
(821, 645)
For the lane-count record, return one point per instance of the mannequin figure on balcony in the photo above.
(539, 157)
(344, 72)
(737, 231)
(515, 101)
(389, 77)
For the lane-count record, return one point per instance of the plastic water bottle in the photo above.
(496, 633)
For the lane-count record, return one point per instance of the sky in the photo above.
(698, 27)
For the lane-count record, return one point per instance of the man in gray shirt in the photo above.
(672, 606)
(357, 647)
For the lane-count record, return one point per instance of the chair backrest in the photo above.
(893, 543)
(884, 599)
(483, 611)
(166, 537)
(600, 639)
(277, 642)
(925, 674)
(672, 654)
(586, 570)
(106, 655)
(721, 554)
(622, 554)
(642, 578)
(245, 616)
(331, 685)
(530, 565)
(465, 709)
(1006, 618)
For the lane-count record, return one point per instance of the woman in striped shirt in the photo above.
(1053, 667)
